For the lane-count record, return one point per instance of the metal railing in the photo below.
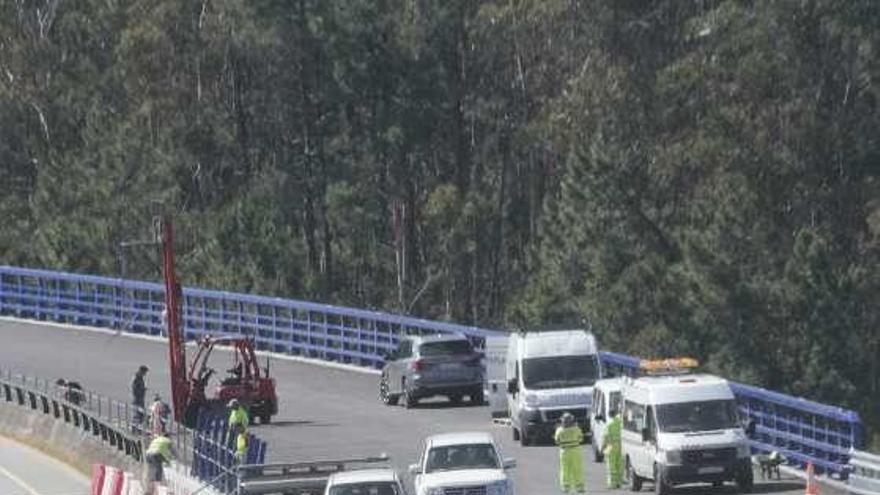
(865, 476)
(208, 451)
(801, 430)
(106, 420)
(287, 326)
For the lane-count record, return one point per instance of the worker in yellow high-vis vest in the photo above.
(571, 464)
(241, 445)
(160, 452)
(613, 452)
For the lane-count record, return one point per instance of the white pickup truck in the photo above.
(462, 464)
(365, 482)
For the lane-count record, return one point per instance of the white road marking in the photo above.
(18, 481)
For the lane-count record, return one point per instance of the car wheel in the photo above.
(265, 419)
(385, 395)
(634, 480)
(477, 398)
(409, 401)
(515, 433)
(455, 399)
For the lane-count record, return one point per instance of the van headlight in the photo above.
(743, 451)
(673, 457)
(498, 488)
(531, 400)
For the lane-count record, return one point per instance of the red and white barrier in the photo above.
(107, 480)
(97, 479)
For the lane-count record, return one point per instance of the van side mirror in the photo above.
(646, 435)
(509, 463)
(512, 386)
(751, 427)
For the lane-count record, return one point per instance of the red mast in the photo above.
(176, 351)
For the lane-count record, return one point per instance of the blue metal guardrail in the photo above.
(801, 430)
(287, 326)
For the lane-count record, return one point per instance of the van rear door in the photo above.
(496, 381)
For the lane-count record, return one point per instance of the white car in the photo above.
(462, 464)
(365, 482)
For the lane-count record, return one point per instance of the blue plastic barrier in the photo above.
(802, 430)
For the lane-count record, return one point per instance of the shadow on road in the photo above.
(446, 404)
(730, 488)
(305, 422)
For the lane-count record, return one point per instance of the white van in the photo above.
(683, 429)
(606, 403)
(549, 371)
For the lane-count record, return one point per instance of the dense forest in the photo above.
(693, 177)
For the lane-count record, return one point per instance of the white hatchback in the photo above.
(462, 464)
(365, 482)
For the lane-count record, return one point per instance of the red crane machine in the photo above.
(246, 381)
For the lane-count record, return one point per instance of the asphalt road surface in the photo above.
(26, 471)
(324, 412)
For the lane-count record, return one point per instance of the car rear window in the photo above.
(445, 348)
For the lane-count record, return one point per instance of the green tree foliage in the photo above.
(694, 177)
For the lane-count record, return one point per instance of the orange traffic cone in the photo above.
(812, 486)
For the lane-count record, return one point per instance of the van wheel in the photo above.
(597, 456)
(524, 438)
(660, 486)
(634, 481)
(745, 481)
(515, 433)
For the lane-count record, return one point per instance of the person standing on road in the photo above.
(160, 452)
(159, 415)
(613, 453)
(571, 464)
(138, 393)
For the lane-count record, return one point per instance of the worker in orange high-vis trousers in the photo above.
(571, 463)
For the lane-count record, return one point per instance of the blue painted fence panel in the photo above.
(800, 429)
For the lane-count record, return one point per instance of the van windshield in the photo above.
(560, 371)
(614, 400)
(697, 416)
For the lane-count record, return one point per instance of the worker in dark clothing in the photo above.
(71, 391)
(138, 393)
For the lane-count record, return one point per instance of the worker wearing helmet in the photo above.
(238, 417)
(612, 450)
(568, 437)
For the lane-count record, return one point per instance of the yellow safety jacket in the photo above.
(161, 445)
(569, 437)
(238, 416)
